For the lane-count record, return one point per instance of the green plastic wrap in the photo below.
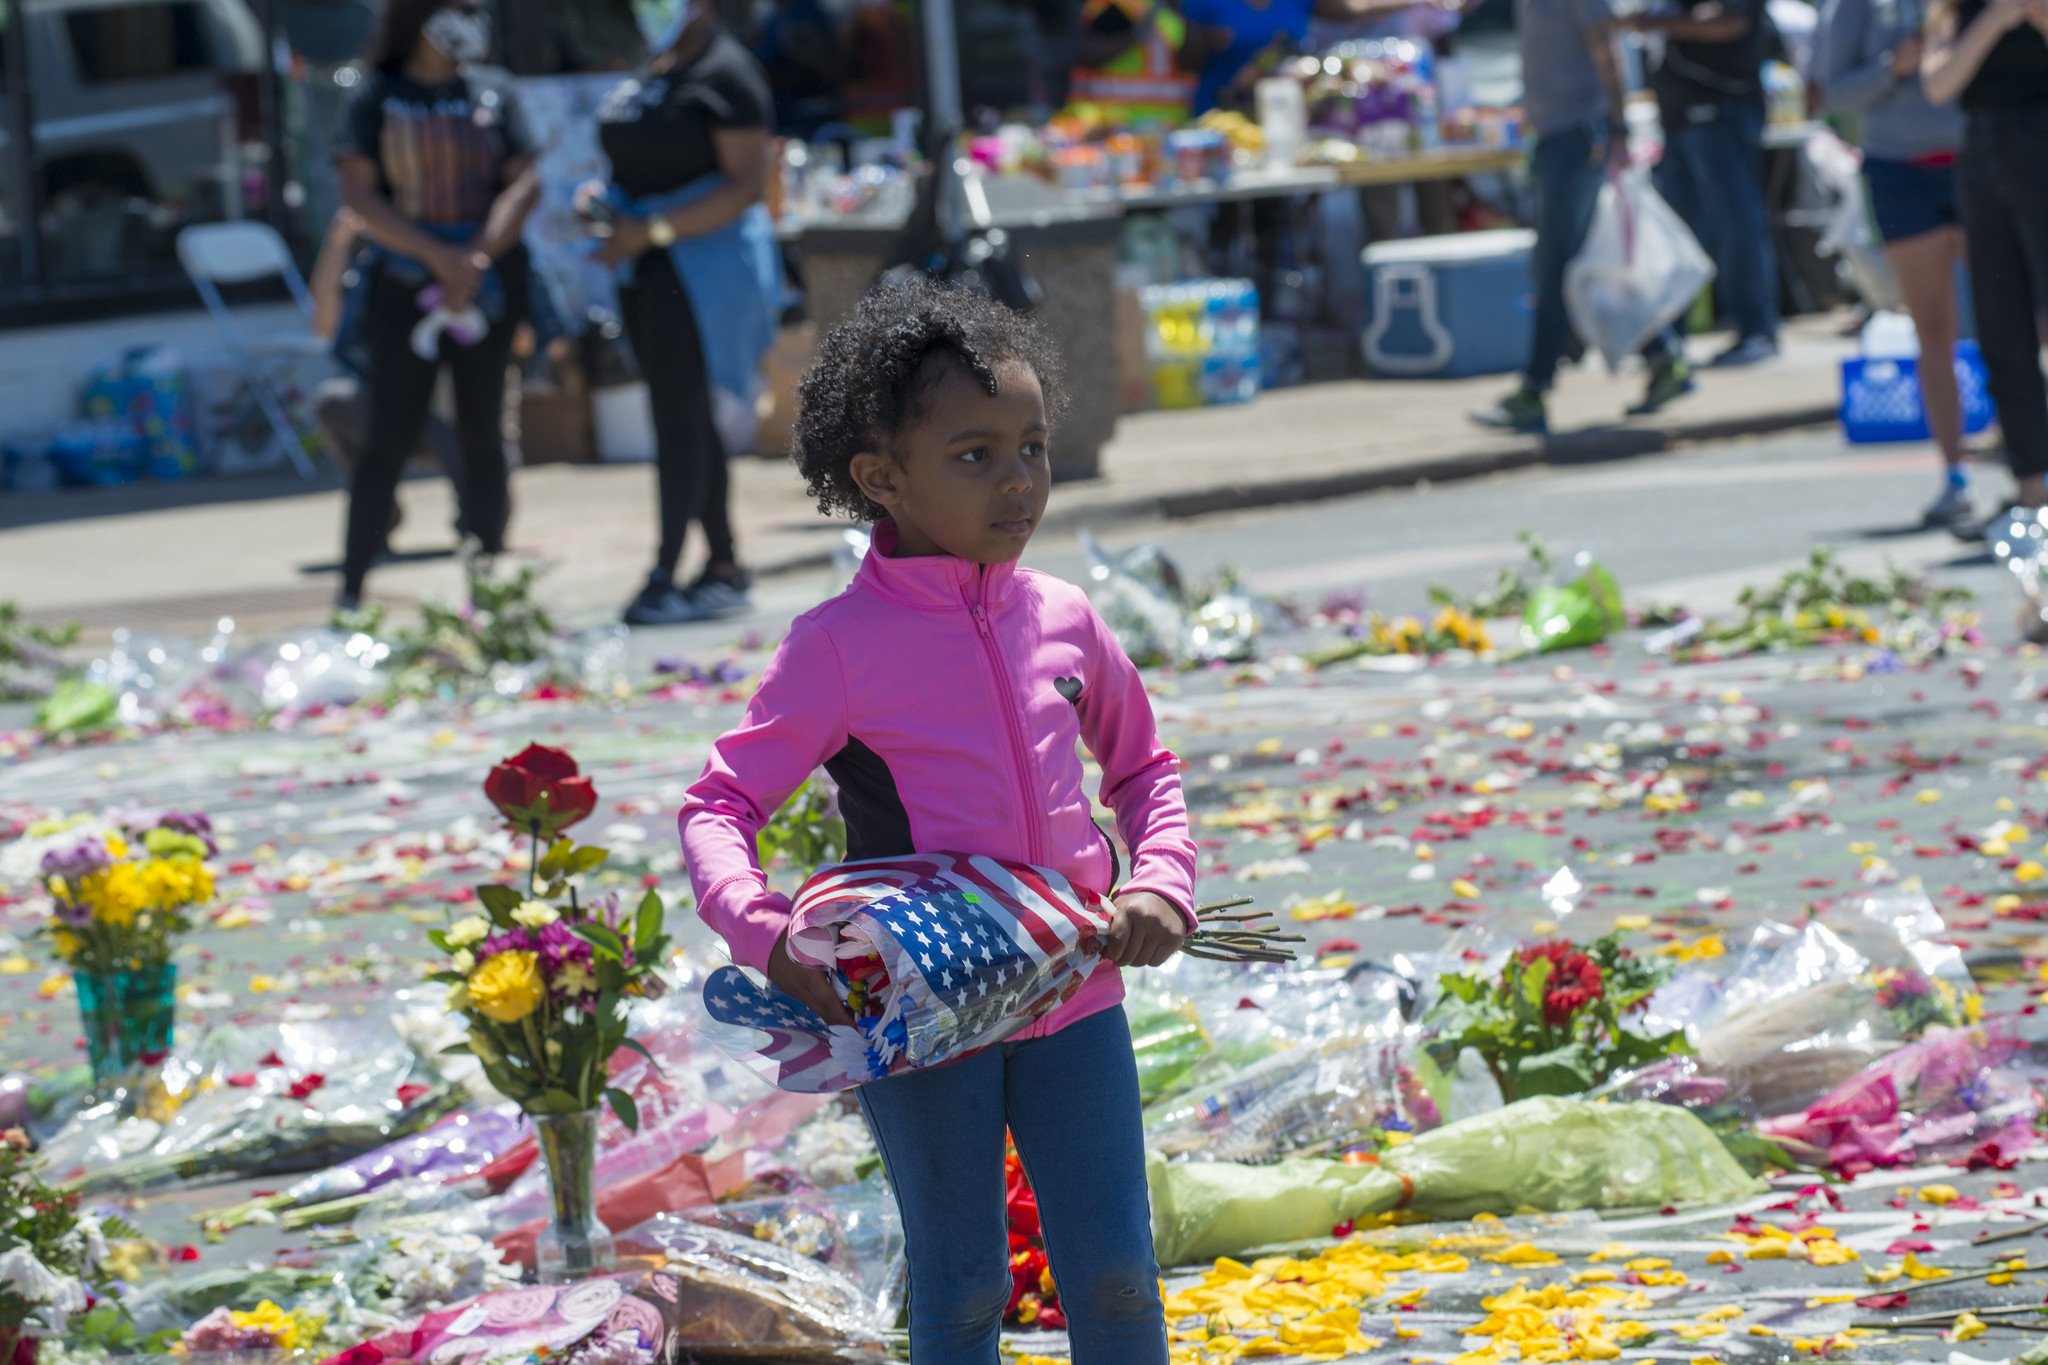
(1169, 1042)
(1548, 1155)
(1574, 615)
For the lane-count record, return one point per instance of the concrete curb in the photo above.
(1587, 446)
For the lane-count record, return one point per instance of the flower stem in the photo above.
(533, 864)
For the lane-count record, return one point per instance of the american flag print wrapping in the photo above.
(970, 951)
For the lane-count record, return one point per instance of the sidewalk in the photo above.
(120, 557)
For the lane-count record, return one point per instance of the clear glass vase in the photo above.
(575, 1244)
(128, 1018)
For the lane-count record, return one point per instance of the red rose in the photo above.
(540, 788)
(306, 1085)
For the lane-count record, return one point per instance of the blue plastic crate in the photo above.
(1881, 398)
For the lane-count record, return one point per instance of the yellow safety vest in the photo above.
(1143, 85)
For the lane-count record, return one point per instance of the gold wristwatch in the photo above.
(661, 232)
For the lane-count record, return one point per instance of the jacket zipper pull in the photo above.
(980, 618)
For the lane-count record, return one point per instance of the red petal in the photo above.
(549, 765)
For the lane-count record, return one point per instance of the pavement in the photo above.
(1398, 805)
(174, 558)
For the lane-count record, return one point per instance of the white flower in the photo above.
(464, 932)
(54, 1296)
(464, 962)
(535, 914)
(458, 997)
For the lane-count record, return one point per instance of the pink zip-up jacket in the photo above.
(945, 698)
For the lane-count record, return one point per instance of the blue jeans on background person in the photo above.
(1070, 1102)
(1712, 174)
(1566, 171)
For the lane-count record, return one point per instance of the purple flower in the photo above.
(558, 947)
(511, 941)
(195, 823)
(87, 856)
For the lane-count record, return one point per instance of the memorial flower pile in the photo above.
(120, 894)
(53, 1256)
(1551, 1021)
(545, 976)
(1034, 1298)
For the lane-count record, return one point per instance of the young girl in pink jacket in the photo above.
(945, 692)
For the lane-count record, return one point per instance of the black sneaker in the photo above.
(1748, 351)
(1667, 384)
(722, 594)
(666, 604)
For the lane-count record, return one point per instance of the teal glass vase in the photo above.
(128, 1018)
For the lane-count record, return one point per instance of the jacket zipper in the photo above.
(1034, 838)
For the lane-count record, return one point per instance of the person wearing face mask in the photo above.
(683, 224)
(436, 163)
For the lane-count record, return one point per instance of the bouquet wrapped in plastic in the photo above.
(1548, 1154)
(937, 956)
(1952, 1092)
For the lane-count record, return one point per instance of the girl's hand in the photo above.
(1144, 931)
(461, 272)
(810, 986)
(588, 195)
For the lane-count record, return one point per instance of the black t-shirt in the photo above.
(2014, 74)
(440, 149)
(1694, 74)
(657, 128)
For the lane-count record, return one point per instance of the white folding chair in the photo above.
(215, 254)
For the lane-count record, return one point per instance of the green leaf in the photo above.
(461, 1049)
(622, 1105)
(553, 1100)
(636, 1045)
(1535, 979)
(500, 901)
(647, 922)
(586, 860)
(598, 936)
(439, 939)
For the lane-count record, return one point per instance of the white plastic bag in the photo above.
(1639, 270)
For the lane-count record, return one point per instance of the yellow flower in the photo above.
(288, 1330)
(1968, 1328)
(534, 914)
(508, 987)
(464, 932)
(1939, 1195)
(2029, 872)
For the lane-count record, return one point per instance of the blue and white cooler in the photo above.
(1448, 307)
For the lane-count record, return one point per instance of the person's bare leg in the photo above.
(1926, 266)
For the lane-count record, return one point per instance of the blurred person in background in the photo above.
(1991, 56)
(804, 57)
(341, 405)
(1574, 100)
(1710, 97)
(686, 229)
(436, 163)
(1868, 68)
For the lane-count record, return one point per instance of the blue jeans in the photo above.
(1713, 175)
(1070, 1102)
(1566, 171)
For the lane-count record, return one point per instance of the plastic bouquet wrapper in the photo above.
(1574, 615)
(1313, 1098)
(1951, 1093)
(548, 1320)
(1149, 608)
(452, 1149)
(1550, 1155)
(1196, 1025)
(299, 1096)
(849, 1237)
(937, 956)
(1799, 1011)
(2019, 541)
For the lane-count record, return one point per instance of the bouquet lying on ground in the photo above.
(50, 1253)
(1551, 1021)
(545, 976)
(1550, 1155)
(937, 955)
(119, 895)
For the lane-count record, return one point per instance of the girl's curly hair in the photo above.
(875, 369)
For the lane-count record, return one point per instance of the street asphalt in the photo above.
(1801, 783)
